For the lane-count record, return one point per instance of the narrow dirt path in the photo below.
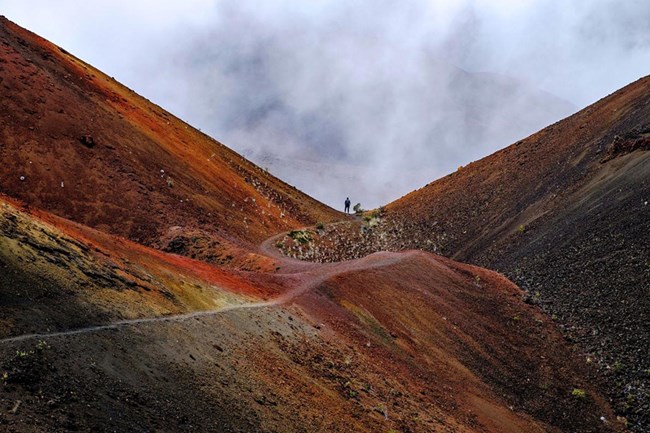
(310, 275)
(282, 299)
(123, 323)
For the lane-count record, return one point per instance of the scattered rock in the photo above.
(87, 140)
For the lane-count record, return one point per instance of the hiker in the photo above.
(347, 205)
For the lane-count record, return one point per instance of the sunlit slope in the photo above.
(75, 142)
(56, 275)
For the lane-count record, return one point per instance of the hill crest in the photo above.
(76, 143)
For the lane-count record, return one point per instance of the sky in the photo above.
(362, 98)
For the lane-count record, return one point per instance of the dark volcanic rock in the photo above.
(565, 213)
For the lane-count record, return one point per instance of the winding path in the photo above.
(123, 323)
(311, 276)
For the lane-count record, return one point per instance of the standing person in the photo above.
(347, 205)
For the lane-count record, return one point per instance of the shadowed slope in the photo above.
(564, 213)
(78, 144)
(482, 207)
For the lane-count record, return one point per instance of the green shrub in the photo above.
(578, 393)
(300, 236)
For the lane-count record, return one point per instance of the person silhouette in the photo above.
(347, 205)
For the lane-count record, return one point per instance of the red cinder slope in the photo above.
(58, 275)
(457, 338)
(76, 143)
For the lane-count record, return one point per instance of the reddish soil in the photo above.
(90, 150)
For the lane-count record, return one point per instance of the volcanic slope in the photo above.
(564, 213)
(101, 334)
(76, 143)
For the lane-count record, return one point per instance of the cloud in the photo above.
(371, 97)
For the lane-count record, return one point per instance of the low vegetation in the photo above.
(579, 393)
